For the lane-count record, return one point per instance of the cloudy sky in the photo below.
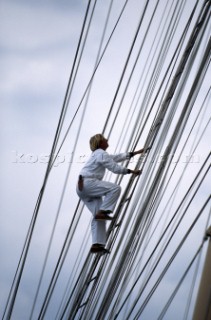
(38, 41)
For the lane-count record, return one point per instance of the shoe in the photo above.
(99, 248)
(100, 251)
(105, 251)
(103, 216)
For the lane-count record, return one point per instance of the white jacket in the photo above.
(100, 160)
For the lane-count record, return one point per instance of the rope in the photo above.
(101, 314)
(92, 295)
(169, 224)
(169, 262)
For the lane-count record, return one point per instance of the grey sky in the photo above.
(38, 40)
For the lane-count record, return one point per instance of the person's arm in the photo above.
(137, 172)
(126, 155)
(120, 157)
(107, 162)
(134, 153)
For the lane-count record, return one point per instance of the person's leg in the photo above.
(91, 195)
(98, 228)
(108, 190)
(112, 193)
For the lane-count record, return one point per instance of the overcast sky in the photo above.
(38, 41)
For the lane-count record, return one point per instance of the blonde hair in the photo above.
(95, 141)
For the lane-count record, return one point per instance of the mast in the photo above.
(203, 303)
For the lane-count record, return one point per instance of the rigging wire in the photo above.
(50, 164)
(73, 274)
(63, 253)
(126, 63)
(147, 240)
(134, 65)
(169, 71)
(17, 278)
(76, 139)
(66, 102)
(196, 272)
(101, 44)
(80, 289)
(118, 270)
(143, 80)
(155, 248)
(83, 116)
(170, 262)
(192, 96)
(91, 78)
(168, 225)
(144, 237)
(172, 296)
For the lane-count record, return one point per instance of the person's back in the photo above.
(99, 196)
(99, 161)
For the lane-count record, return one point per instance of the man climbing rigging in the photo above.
(99, 196)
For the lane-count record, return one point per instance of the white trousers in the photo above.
(99, 195)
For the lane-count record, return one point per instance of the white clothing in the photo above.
(94, 188)
(100, 160)
(91, 195)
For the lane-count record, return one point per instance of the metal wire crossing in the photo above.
(153, 220)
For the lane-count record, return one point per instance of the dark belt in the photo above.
(80, 182)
